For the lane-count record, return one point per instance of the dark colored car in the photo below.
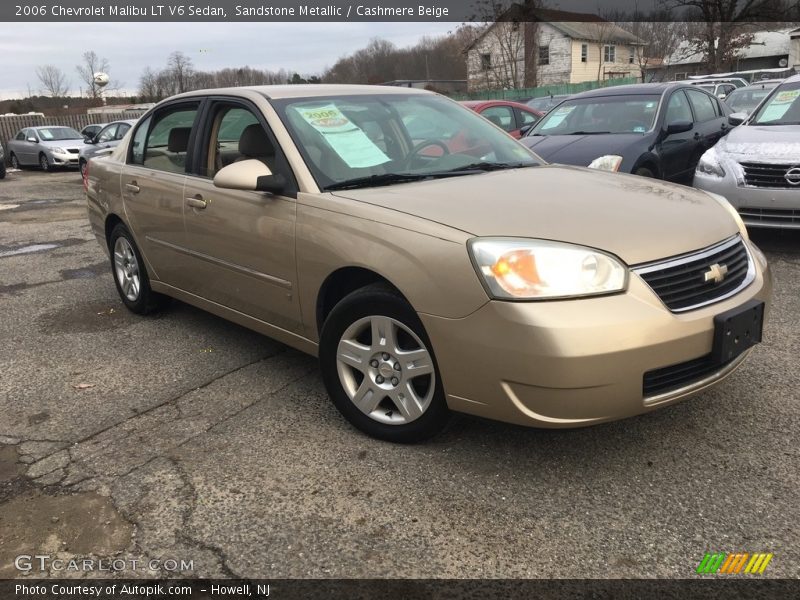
(546, 103)
(511, 116)
(655, 129)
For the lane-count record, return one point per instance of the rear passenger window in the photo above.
(703, 105)
(167, 141)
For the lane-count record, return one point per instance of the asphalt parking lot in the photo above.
(186, 437)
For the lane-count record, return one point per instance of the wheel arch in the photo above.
(342, 282)
(648, 161)
(112, 220)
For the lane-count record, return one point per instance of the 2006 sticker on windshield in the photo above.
(347, 139)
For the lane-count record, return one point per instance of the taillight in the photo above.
(86, 176)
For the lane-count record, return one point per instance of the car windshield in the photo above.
(781, 108)
(746, 99)
(604, 114)
(49, 134)
(365, 140)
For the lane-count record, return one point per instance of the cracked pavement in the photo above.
(183, 436)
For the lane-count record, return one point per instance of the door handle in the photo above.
(132, 187)
(196, 202)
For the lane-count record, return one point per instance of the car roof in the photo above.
(633, 89)
(307, 90)
(759, 84)
(792, 79)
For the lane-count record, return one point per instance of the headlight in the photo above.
(609, 162)
(723, 201)
(710, 164)
(520, 269)
(58, 151)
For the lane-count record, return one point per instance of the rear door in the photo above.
(152, 188)
(241, 243)
(709, 120)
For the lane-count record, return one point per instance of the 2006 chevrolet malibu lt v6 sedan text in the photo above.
(453, 272)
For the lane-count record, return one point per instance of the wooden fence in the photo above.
(10, 125)
(545, 90)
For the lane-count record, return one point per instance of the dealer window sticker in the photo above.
(558, 116)
(779, 105)
(347, 139)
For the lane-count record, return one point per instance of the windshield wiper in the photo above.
(376, 180)
(484, 166)
(585, 133)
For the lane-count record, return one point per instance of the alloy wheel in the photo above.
(126, 268)
(386, 370)
(14, 161)
(44, 163)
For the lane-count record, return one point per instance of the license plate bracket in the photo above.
(737, 330)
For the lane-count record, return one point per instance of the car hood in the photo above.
(579, 150)
(636, 218)
(77, 144)
(763, 143)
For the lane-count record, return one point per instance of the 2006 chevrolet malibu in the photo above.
(430, 261)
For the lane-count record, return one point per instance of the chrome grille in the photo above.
(767, 175)
(686, 282)
(777, 216)
(73, 150)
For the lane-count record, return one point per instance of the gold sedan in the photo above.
(430, 261)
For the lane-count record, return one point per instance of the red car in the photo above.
(511, 116)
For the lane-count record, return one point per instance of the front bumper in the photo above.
(578, 362)
(758, 207)
(64, 160)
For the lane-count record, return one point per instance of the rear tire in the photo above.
(82, 165)
(2, 170)
(379, 369)
(130, 274)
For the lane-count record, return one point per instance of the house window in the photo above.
(486, 61)
(584, 52)
(632, 55)
(544, 55)
(609, 54)
(681, 76)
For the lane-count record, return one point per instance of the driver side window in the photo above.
(678, 108)
(107, 134)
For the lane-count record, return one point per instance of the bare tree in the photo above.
(181, 70)
(149, 88)
(53, 80)
(661, 36)
(92, 63)
(720, 29)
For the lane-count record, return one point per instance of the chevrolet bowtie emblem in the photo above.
(716, 273)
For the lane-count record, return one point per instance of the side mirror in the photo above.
(679, 127)
(523, 131)
(33, 139)
(104, 152)
(88, 140)
(252, 175)
(737, 118)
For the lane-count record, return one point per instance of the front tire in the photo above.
(379, 368)
(130, 274)
(44, 164)
(14, 161)
(644, 172)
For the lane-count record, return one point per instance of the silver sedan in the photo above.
(103, 141)
(757, 165)
(47, 147)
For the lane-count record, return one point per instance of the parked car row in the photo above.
(54, 146)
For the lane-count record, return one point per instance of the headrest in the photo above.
(495, 119)
(254, 142)
(178, 139)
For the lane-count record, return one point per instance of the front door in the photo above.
(241, 243)
(676, 149)
(152, 189)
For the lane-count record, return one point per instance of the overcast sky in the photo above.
(129, 47)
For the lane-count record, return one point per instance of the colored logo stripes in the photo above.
(734, 563)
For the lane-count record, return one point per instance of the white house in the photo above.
(542, 52)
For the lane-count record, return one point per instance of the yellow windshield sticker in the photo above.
(779, 105)
(346, 139)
